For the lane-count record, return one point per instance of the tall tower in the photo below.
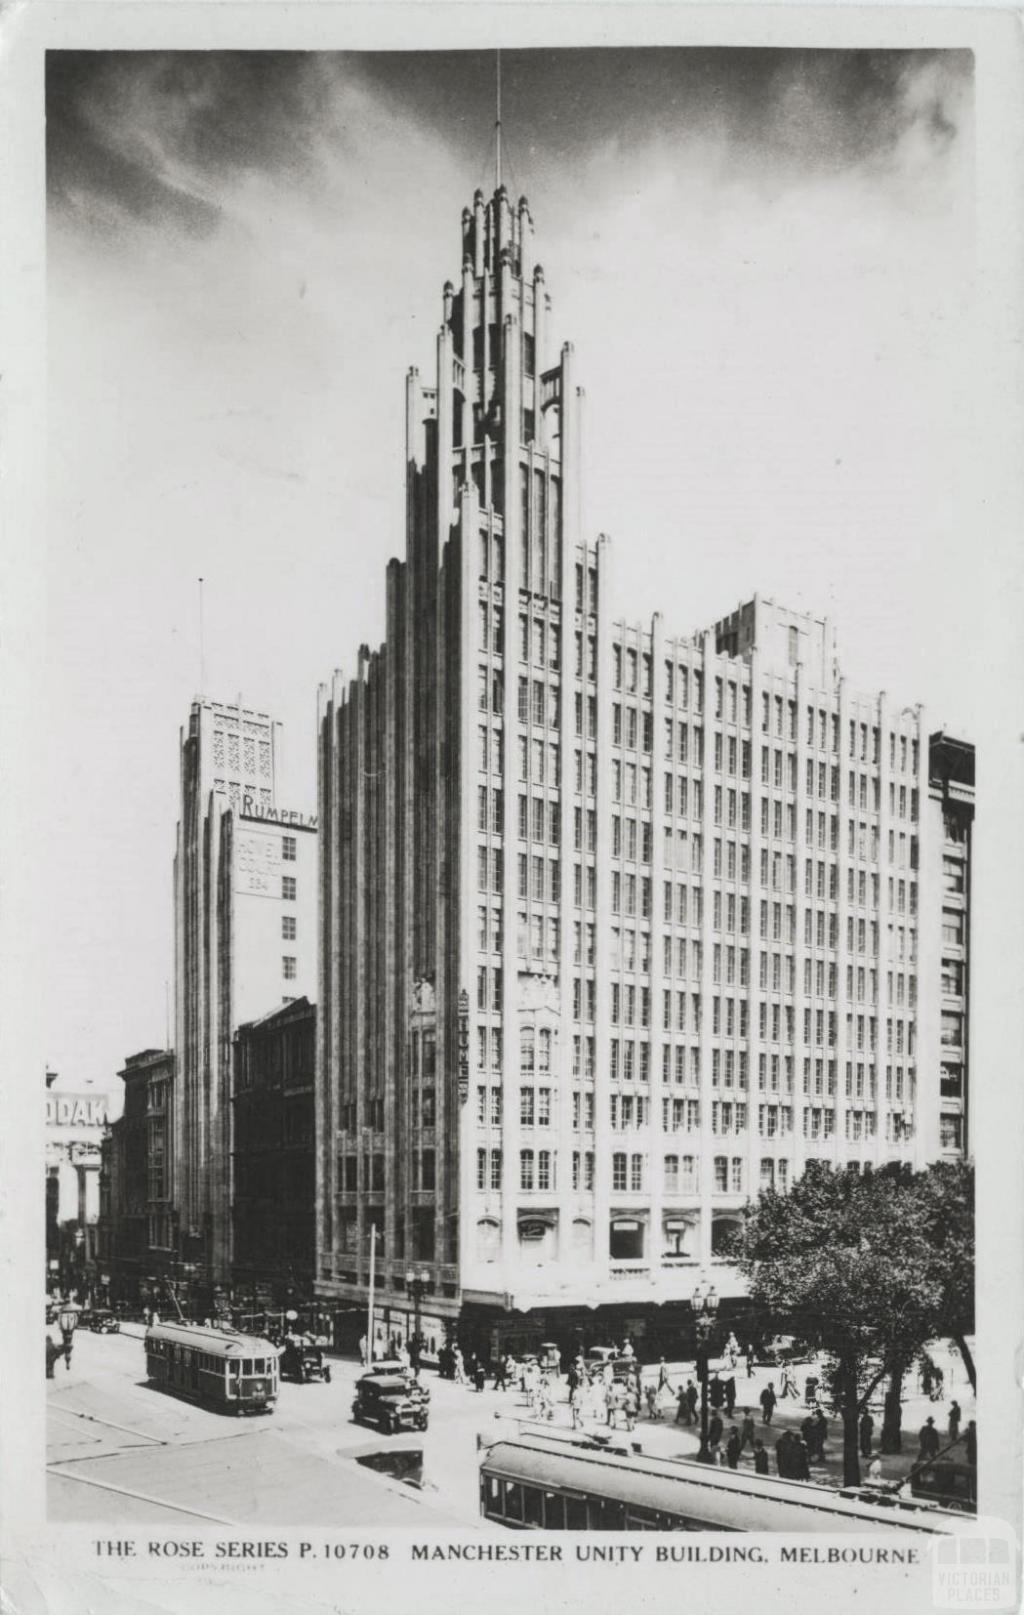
(227, 762)
(413, 757)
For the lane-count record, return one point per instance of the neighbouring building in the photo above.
(76, 1120)
(618, 924)
(274, 1168)
(945, 940)
(137, 1231)
(245, 937)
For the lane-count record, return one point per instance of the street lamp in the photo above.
(67, 1320)
(704, 1302)
(416, 1282)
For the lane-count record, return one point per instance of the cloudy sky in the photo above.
(764, 259)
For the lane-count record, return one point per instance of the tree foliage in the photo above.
(865, 1267)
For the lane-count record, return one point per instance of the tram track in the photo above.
(79, 1479)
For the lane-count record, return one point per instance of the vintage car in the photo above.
(782, 1349)
(100, 1320)
(394, 1370)
(602, 1357)
(386, 1401)
(302, 1360)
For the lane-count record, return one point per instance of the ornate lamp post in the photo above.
(704, 1302)
(68, 1323)
(416, 1282)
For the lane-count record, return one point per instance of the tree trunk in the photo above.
(851, 1432)
(965, 1352)
(891, 1439)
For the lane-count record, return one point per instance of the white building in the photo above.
(618, 924)
(245, 942)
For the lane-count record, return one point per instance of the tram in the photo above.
(237, 1373)
(542, 1483)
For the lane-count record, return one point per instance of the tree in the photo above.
(947, 1195)
(847, 1260)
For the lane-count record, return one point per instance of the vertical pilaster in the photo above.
(655, 1142)
(602, 912)
(707, 1093)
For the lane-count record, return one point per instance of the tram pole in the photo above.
(373, 1277)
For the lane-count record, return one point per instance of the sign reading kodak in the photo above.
(76, 1110)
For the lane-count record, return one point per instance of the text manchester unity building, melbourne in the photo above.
(617, 925)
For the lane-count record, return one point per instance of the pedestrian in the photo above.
(971, 1438)
(715, 1429)
(767, 1404)
(807, 1431)
(954, 1421)
(576, 1406)
(928, 1440)
(716, 1392)
(458, 1366)
(630, 1406)
(572, 1378)
(664, 1383)
(749, 1354)
(627, 1347)
(362, 1350)
(403, 1356)
(760, 1458)
(875, 1472)
(927, 1375)
(545, 1404)
(801, 1459)
(783, 1462)
(940, 1384)
(692, 1398)
(787, 1385)
(730, 1396)
(820, 1434)
(651, 1397)
(683, 1415)
(479, 1374)
(867, 1430)
(500, 1374)
(733, 1448)
(747, 1430)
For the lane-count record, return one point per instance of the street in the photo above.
(121, 1451)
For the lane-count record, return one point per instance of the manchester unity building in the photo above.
(617, 926)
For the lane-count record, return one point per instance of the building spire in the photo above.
(497, 126)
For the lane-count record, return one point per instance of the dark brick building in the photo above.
(274, 1170)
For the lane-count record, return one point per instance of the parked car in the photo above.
(783, 1349)
(385, 1400)
(600, 1357)
(302, 1360)
(100, 1320)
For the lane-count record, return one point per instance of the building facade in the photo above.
(274, 1179)
(137, 1228)
(618, 925)
(245, 941)
(947, 894)
(76, 1122)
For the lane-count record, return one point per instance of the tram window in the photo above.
(534, 1506)
(513, 1501)
(607, 1514)
(575, 1514)
(554, 1511)
(493, 1495)
(642, 1519)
